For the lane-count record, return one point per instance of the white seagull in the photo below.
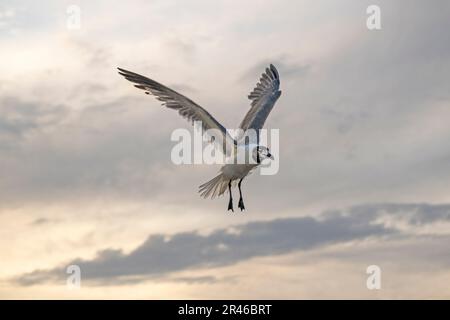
(263, 98)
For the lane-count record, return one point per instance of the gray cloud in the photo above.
(203, 279)
(162, 254)
(40, 221)
(75, 154)
(414, 213)
(18, 117)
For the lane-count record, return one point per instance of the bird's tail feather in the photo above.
(214, 187)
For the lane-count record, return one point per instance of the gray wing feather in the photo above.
(263, 98)
(187, 108)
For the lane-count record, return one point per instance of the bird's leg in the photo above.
(241, 201)
(230, 203)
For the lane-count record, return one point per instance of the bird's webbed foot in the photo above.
(241, 204)
(230, 205)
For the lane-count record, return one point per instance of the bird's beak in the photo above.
(270, 156)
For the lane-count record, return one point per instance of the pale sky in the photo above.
(86, 176)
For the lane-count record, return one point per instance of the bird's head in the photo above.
(260, 153)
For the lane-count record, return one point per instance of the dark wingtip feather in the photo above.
(275, 71)
(125, 73)
(122, 70)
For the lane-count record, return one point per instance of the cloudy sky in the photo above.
(86, 176)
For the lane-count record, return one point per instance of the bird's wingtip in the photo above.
(274, 70)
(122, 71)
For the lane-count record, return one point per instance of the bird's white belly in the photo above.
(236, 171)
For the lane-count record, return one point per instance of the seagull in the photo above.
(263, 98)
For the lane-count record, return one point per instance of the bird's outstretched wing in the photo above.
(185, 106)
(263, 98)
